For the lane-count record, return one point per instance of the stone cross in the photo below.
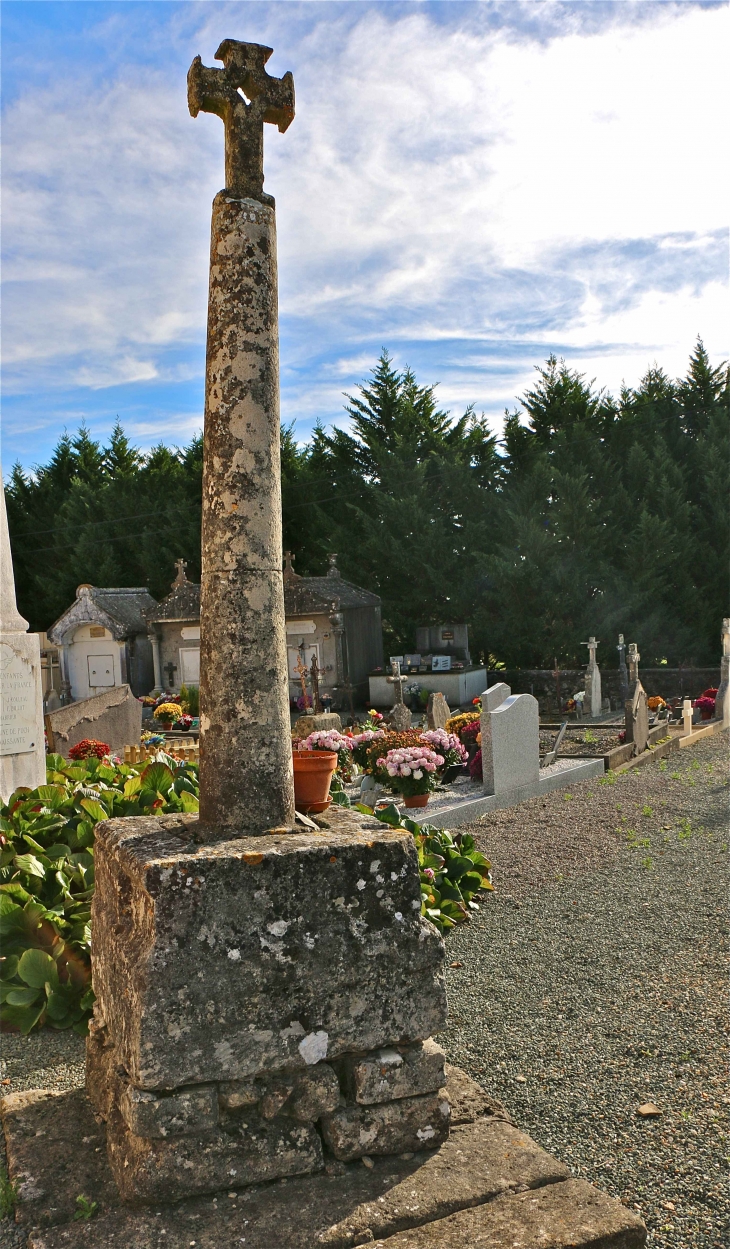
(593, 678)
(623, 675)
(289, 573)
(224, 92)
(634, 658)
(246, 777)
(400, 715)
(181, 565)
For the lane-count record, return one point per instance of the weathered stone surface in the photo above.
(392, 1073)
(55, 1150)
(400, 718)
(102, 1079)
(573, 1215)
(411, 1123)
(246, 778)
(469, 1101)
(114, 716)
(226, 961)
(316, 1093)
(185, 1112)
(437, 710)
(477, 1163)
(246, 1150)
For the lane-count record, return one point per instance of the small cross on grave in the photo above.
(593, 678)
(244, 96)
(181, 565)
(400, 716)
(623, 675)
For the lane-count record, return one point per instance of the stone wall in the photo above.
(668, 682)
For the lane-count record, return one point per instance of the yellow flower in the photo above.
(168, 711)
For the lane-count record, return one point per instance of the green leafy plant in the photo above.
(452, 869)
(190, 699)
(47, 878)
(8, 1194)
(608, 779)
(590, 739)
(86, 1209)
(646, 809)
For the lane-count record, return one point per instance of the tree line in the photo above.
(590, 515)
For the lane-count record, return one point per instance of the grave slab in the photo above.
(451, 812)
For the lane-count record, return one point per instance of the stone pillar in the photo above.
(246, 777)
(155, 644)
(22, 743)
(722, 702)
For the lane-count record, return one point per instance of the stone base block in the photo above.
(406, 1125)
(246, 1150)
(325, 720)
(394, 1072)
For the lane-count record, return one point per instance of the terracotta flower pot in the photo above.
(706, 715)
(416, 800)
(313, 772)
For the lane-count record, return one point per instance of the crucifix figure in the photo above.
(400, 715)
(244, 96)
(181, 565)
(314, 682)
(302, 672)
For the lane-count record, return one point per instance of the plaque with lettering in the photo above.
(18, 725)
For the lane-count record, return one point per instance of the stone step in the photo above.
(571, 1215)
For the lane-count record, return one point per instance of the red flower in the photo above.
(89, 748)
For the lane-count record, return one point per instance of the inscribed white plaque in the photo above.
(18, 725)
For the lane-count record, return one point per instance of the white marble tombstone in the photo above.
(511, 743)
(22, 745)
(491, 699)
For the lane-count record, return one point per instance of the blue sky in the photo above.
(471, 185)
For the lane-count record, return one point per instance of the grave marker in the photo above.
(437, 711)
(623, 675)
(593, 679)
(400, 716)
(22, 743)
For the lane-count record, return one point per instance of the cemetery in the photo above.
(241, 846)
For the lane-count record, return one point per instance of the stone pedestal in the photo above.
(258, 996)
(325, 720)
(22, 743)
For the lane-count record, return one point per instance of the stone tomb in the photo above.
(510, 762)
(257, 997)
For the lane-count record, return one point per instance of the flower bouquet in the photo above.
(706, 704)
(89, 748)
(411, 771)
(167, 713)
(447, 744)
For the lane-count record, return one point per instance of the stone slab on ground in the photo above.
(573, 1215)
(451, 812)
(348, 1205)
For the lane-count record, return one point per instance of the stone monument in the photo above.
(244, 708)
(437, 710)
(722, 701)
(22, 744)
(400, 717)
(262, 992)
(623, 676)
(636, 708)
(593, 680)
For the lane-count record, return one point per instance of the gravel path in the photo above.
(594, 981)
(591, 982)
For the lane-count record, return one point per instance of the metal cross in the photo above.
(314, 681)
(244, 96)
(302, 672)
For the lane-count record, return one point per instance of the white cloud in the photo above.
(445, 180)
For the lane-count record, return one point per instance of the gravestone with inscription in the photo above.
(22, 744)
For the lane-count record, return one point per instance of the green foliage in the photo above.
(190, 699)
(47, 879)
(8, 1195)
(452, 869)
(593, 514)
(86, 1209)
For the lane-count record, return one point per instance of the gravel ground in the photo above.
(594, 980)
